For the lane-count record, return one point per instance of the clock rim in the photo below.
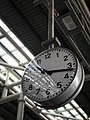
(40, 101)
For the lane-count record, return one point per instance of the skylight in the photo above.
(9, 60)
(7, 44)
(28, 52)
(19, 56)
(11, 34)
(2, 52)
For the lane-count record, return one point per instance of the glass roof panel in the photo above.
(74, 112)
(20, 44)
(68, 106)
(13, 77)
(74, 103)
(2, 52)
(9, 60)
(79, 117)
(7, 44)
(20, 72)
(28, 52)
(61, 109)
(19, 56)
(66, 113)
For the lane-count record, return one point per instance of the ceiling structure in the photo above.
(28, 20)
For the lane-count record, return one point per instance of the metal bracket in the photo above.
(48, 42)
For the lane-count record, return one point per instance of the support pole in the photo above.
(21, 103)
(5, 90)
(51, 21)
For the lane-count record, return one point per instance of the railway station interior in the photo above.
(29, 27)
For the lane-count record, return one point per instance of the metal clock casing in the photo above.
(53, 78)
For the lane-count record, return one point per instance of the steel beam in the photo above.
(13, 84)
(5, 90)
(9, 98)
(10, 66)
(21, 103)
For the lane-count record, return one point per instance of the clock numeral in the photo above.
(37, 91)
(27, 80)
(65, 58)
(66, 76)
(59, 85)
(69, 65)
(48, 55)
(48, 91)
(39, 61)
(57, 54)
(30, 87)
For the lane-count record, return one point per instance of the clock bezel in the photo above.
(52, 100)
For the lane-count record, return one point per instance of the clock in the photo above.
(53, 78)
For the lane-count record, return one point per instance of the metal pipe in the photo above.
(5, 90)
(10, 66)
(13, 84)
(51, 21)
(9, 98)
(21, 103)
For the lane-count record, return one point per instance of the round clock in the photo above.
(53, 78)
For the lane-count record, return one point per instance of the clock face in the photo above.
(49, 74)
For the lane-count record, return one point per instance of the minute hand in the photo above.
(49, 72)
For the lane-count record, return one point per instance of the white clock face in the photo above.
(49, 74)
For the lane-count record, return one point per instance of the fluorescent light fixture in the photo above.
(69, 23)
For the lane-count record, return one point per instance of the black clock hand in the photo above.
(52, 71)
(59, 70)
